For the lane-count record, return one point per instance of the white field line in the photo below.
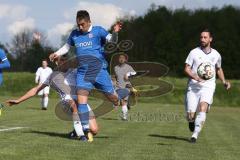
(12, 128)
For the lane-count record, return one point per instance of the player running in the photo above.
(41, 75)
(4, 63)
(92, 71)
(199, 95)
(64, 84)
(122, 73)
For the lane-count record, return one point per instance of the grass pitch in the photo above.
(155, 131)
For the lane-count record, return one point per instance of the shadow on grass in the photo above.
(163, 144)
(170, 137)
(63, 135)
(110, 119)
(52, 134)
(103, 137)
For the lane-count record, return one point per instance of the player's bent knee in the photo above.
(94, 130)
(113, 98)
(203, 106)
(73, 106)
(93, 126)
(83, 92)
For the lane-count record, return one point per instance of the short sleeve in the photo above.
(115, 70)
(70, 39)
(38, 72)
(103, 33)
(50, 70)
(219, 61)
(131, 69)
(189, 59)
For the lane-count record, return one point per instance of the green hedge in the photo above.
(15, 84)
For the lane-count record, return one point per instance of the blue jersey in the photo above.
(89, 43)
(92, 64)
(4, 63)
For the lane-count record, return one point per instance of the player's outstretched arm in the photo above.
(114, 36)
(32, 92)
(63, 50)
(117, 27)
(188, 72)
(37, 77)
(221, 76)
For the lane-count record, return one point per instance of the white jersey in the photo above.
(42, 74)
(195, 58)
(63, 83)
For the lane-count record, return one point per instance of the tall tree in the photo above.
(167, 36)
(29, 48)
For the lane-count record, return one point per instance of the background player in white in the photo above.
(122, 72)
(41, 76)
(199, 95)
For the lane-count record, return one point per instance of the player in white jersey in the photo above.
(65, 85)
(41, 76)
(199, 95)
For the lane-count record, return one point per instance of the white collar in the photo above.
(90, 28)
(122, 65)
(205, 52)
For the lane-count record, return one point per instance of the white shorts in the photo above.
(194, 97)
(44, 91)
(68, 97)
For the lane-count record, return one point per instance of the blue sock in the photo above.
(84, 115)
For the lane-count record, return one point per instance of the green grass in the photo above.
(16, 84)
(155, 131)
(176, 96)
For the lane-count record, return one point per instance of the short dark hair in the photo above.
(207, 30)
(45, 60)
(83, 14)
(123, 54)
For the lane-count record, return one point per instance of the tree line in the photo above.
(26, 53)
(167, 36)
(161, 35)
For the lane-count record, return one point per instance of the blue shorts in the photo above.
(92, 74)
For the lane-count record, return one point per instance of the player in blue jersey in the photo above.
(4, 63)
(92, 71)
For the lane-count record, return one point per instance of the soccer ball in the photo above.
(206, 71)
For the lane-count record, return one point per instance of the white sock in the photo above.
(78, 128)
(45, 102)
(77, 125)
(195, 134)
(200, 119)
(42, 101)
(124, 111)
